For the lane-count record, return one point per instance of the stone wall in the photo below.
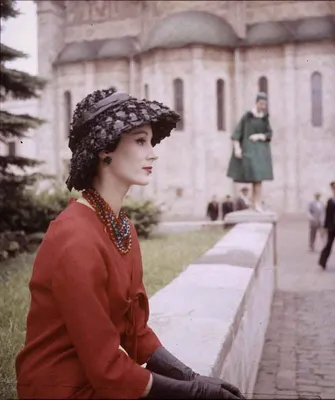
(315, 161)
(202, 152)
(99, 19)
(214, 315)
(302, 158)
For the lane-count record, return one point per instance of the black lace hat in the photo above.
(99, 121)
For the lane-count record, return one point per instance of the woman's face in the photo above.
(262, 105)
(132, 161)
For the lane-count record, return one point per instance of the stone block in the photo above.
(245, 216)
(286, 380)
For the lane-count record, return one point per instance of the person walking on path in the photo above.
(316, 214)
(87, 335)
(329, 226)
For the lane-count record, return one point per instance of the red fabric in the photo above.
(71, 200)
(86, 300)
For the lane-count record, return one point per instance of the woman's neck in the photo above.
(257, 113)
(112, 193)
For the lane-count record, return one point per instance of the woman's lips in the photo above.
(148, 169)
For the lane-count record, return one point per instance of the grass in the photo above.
(164, 257)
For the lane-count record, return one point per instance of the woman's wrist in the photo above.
(148, 387)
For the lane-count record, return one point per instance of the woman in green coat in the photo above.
(251, 161)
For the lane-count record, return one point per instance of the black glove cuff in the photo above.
(164, 363)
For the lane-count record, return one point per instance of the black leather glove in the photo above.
(164, 363)
(167, 388)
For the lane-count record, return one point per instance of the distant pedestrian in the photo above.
(213, 209)
(227, 206)
(329, 226)
(316, 215)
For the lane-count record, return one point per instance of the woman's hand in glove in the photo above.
(257, 137)
(164, 363)
(223, 384)
(237, 149)
(167, 388)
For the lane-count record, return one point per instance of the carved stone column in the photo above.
(50, 20)
(89, 77)
(239, 95)
(291, 185)
(157, 91)
(198, 131)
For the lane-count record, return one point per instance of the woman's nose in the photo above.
(152, 155)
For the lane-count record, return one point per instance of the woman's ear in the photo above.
(103, 154)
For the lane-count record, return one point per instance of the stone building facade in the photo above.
(207, 59)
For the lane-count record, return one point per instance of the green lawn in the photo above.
(164, 257)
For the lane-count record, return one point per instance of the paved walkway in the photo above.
(299, 353)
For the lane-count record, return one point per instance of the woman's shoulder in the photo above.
(76, 223)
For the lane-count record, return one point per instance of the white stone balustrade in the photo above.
(214, 315)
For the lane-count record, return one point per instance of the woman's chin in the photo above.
(142, 182)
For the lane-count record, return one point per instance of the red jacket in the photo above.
(86, 300)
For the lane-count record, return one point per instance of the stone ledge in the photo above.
(214, 316)
(243, 216)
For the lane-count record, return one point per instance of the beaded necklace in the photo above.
(118, 228)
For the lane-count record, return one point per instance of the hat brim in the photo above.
(125, 117)
(135, 113)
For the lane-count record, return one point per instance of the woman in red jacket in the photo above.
(88, 303)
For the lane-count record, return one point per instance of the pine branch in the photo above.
(19, 162)
(9, 54)
(17, 186)
(16, 173)
(12, 181)
(18, 84)
(7, 9)
(15, 125)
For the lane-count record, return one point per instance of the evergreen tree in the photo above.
(22, 86)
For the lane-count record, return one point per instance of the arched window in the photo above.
(12, 149)
(178, 94)
(67, 111)
(316, 100)
(220, 105)
(263, 85)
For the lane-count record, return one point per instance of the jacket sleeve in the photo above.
(79, 288)
(310, 211)
(268, 130)
(147, 340)
(327, 217)
(238, 132)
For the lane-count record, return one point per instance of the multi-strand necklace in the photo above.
(117, 227)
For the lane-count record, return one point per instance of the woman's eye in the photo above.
(140, 141)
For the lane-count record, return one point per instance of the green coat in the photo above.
(256, 162)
